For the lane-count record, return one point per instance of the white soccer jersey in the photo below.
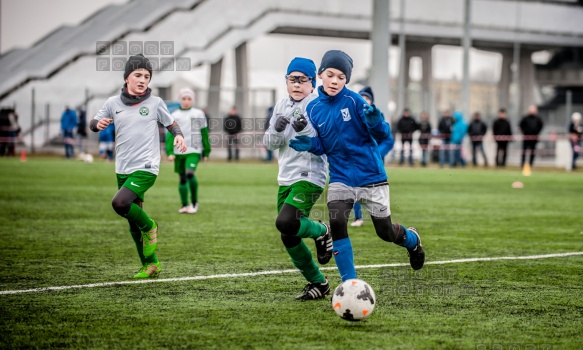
(191, 121)
(294, 166)
(137, 139)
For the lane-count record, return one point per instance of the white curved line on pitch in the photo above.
(278, 272)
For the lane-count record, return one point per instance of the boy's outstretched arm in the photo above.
(376, 124)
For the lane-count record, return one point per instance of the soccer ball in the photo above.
(88, 158)
(353, 300)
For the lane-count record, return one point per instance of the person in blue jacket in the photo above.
(347, 132)
(459, 130)
(385, 146)
(68, 124)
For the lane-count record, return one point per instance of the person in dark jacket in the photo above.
(232, 127)
(425, 128)
(406, 126)
(81, 129)
(477, 130)
(575, 135)
(269, 153)
(502, 131)
(348, 131)
(444, 128)
(531, 125)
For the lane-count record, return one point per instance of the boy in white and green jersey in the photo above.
(301, 178)
(193, 124)
(136, 114)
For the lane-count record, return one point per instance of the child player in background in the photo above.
(192, 122)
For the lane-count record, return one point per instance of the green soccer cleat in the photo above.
(150, 240)
(149, 270)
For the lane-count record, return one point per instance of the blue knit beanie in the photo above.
(339, 60)
(304, 65)
(367, 91)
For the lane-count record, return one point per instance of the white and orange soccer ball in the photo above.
(353, 300)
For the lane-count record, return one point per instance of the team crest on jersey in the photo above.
(345, 114)
(144, 111)
(297, 112)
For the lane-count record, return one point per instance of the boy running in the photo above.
(301, 178)
(135, 114)
(348, 130)
(193, 124)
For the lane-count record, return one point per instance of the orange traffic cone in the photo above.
(23, 155)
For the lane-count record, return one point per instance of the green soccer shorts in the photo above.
(186, 161)
(302, 195)
(139, 182)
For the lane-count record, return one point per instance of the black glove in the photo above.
(300, 123)
(281, 123)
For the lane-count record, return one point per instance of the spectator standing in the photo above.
(68, 124)
(477, 130)
(425, 129)
(575, 132)
(232, 126)
(502, 131)
(531, 125)
(269, 153)
(406, 126)
(458, 132)
(81, 129)
(444, 128)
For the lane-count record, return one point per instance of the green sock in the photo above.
(193, 183)
(140, 218)
(301, 257)
(310, 229)
(137, 237)
(183, 190)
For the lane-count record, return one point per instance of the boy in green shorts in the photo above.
(301, 179)
(136, 115)
(192, 122)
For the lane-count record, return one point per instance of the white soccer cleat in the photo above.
(357, 223)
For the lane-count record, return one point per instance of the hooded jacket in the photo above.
(350, 144)
(459, 128)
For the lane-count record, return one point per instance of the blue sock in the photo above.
(410, 239)
(344, 258)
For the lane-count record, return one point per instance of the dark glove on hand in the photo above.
(301, 143)
(300, 123)
(281, 123)
(372, 115)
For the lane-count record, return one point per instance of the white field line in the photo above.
(278, 272)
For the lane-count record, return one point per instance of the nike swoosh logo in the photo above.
(319, 125)
(133, 184)
(298, 199)
(117, 112)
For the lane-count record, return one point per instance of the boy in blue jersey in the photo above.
(348, 132)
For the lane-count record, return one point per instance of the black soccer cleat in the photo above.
(313, 291)
(324, 246)
(417, 254)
